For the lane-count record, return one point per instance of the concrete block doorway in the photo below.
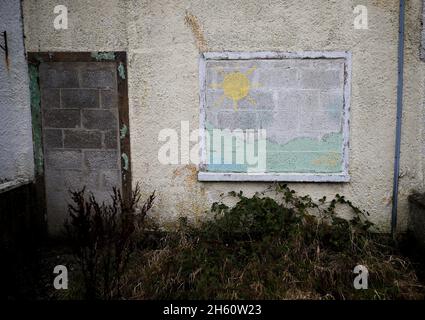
(79, 105)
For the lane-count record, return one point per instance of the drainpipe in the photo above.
(399, 116)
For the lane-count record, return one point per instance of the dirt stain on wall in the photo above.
(189, 174)
(192, 21)
(194, 206)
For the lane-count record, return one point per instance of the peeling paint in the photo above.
(36, 118)
(103, 56)
(121, 71)
(125, 160)
(39, 59)
(123, 131)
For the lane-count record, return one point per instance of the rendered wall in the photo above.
(16, 156)
(164, 39)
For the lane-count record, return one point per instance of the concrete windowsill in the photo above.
(13, 184)
(271, 177)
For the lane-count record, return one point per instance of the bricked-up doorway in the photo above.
(79, 104)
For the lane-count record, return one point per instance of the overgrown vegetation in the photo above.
(281, 247)
(103, 239)
(273, 245)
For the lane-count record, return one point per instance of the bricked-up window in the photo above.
(271, 116)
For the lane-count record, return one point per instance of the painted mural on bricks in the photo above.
(299, 104)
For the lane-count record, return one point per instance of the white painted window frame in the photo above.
(272, 176)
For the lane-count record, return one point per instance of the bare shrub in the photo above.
(103, 238)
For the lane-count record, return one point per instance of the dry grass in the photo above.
(284, 247)
(194, 270)
(299, 257)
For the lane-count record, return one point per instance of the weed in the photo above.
(103, 238)
(281, 247)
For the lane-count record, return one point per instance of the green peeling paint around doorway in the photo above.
(300, 155)
(123, 131)
(103, 56)
(121, 71)
(125, 161)
(36, 118)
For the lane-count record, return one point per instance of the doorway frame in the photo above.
(120, 59)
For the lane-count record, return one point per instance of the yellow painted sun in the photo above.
(236, 86)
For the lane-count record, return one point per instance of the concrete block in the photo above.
(57, 210)
(324, 64)
(237, 120)
(246, 120)
(92, 180)
(108, 99)
(73, 180)
(79, 98)
(64, 159)
(258, 100)
(216, 100)
(279, 77)
(111, 139)
(50, 98)
(255, 100)
(102, 196)
(284, 121)
(298, 100)
(110, 179)
(331, 101)
(321, 79)
(53, 138)
(211, 118)
(95, 160)
(60, 118)
(266, 119)
(58, 75)
(213, 76)
(99, 119)
(323, 121)
(98, 78)
(53, 180)
(82, 139)
(64, 180)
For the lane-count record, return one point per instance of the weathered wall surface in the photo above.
(413, 142)
(417, 217)
(16, 156)
(164, 38)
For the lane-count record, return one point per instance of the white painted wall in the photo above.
(16, 148)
